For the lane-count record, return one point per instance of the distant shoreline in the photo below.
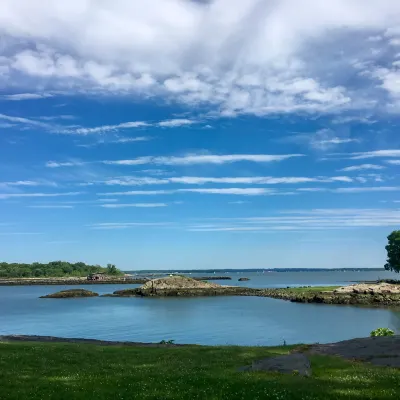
(262, 270)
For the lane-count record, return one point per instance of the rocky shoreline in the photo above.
(380, 295)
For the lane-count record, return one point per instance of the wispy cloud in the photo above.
(393, 162)
(54, 164)
(375, 154)
(174, 123)
(353, 119)
(28, 183)
(306, 220)
(25, 96)
(137, 193)
(118, 140)
(17, 195)
(20, 233)
(367, 189)
(171, 123)
(196, 180)
(231, 191)
(322, 140)
(125, 225)
(135, 205)
(24, 121)
(363, 189)
(189, 159)
(362, 167)
(50, 206)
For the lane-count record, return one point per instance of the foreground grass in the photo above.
(71, 371)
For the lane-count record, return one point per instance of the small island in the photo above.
(178, 285)
(71, 293)
(243, 279)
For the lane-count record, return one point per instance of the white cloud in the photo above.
(189, 159)
(393, 162)
(17, 195)
(118, 140)
(192, 159)
(363, 167)
(54, 164)
(136, 205)
(50, 206)
(173, 123)
(353, 119)
(306, 220)
(106, 128)
(197, 180)
(375, 154)
(322, 140)
(367, 189)
(231, 191)
(25, 96)
(237, 56)
(24, 121)
(20, 233)
(125, 225)
(137, 193)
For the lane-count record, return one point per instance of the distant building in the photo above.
(98, 276)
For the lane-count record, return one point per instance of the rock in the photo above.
(376, 350)
(297, 364)
(243, 279)
(71, 293)
(178, 282)
(362, 288)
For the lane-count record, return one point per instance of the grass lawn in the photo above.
(72, 371)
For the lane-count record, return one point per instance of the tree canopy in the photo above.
(393, 252)
(53, 269)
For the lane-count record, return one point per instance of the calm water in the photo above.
(219, 320)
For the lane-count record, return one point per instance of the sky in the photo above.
(183, 134)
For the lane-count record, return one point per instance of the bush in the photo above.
(382, 332)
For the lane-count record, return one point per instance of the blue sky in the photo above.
(188, 134)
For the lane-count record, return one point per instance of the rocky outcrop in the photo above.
(362, 288)
(376, 350)
(181, 286)
(243, 279)
(178, 282)
(71, 293)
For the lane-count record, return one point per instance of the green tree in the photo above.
(393, 252)
(111, 269)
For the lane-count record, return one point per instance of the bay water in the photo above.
(205, 320)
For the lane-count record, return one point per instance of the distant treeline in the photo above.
(53, 269)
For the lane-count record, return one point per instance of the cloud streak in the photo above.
(189, 159)
(135, 205)
(362, 167)
(22, 195)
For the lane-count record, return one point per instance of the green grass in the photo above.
(313, 289)
(71, 371)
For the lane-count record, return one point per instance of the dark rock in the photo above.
(243, 279)
(376, 350)
(71, 293)
(288, 364)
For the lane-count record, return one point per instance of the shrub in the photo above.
(382, 332)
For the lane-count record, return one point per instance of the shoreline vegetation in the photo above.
(55, 269)
(56, 368)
